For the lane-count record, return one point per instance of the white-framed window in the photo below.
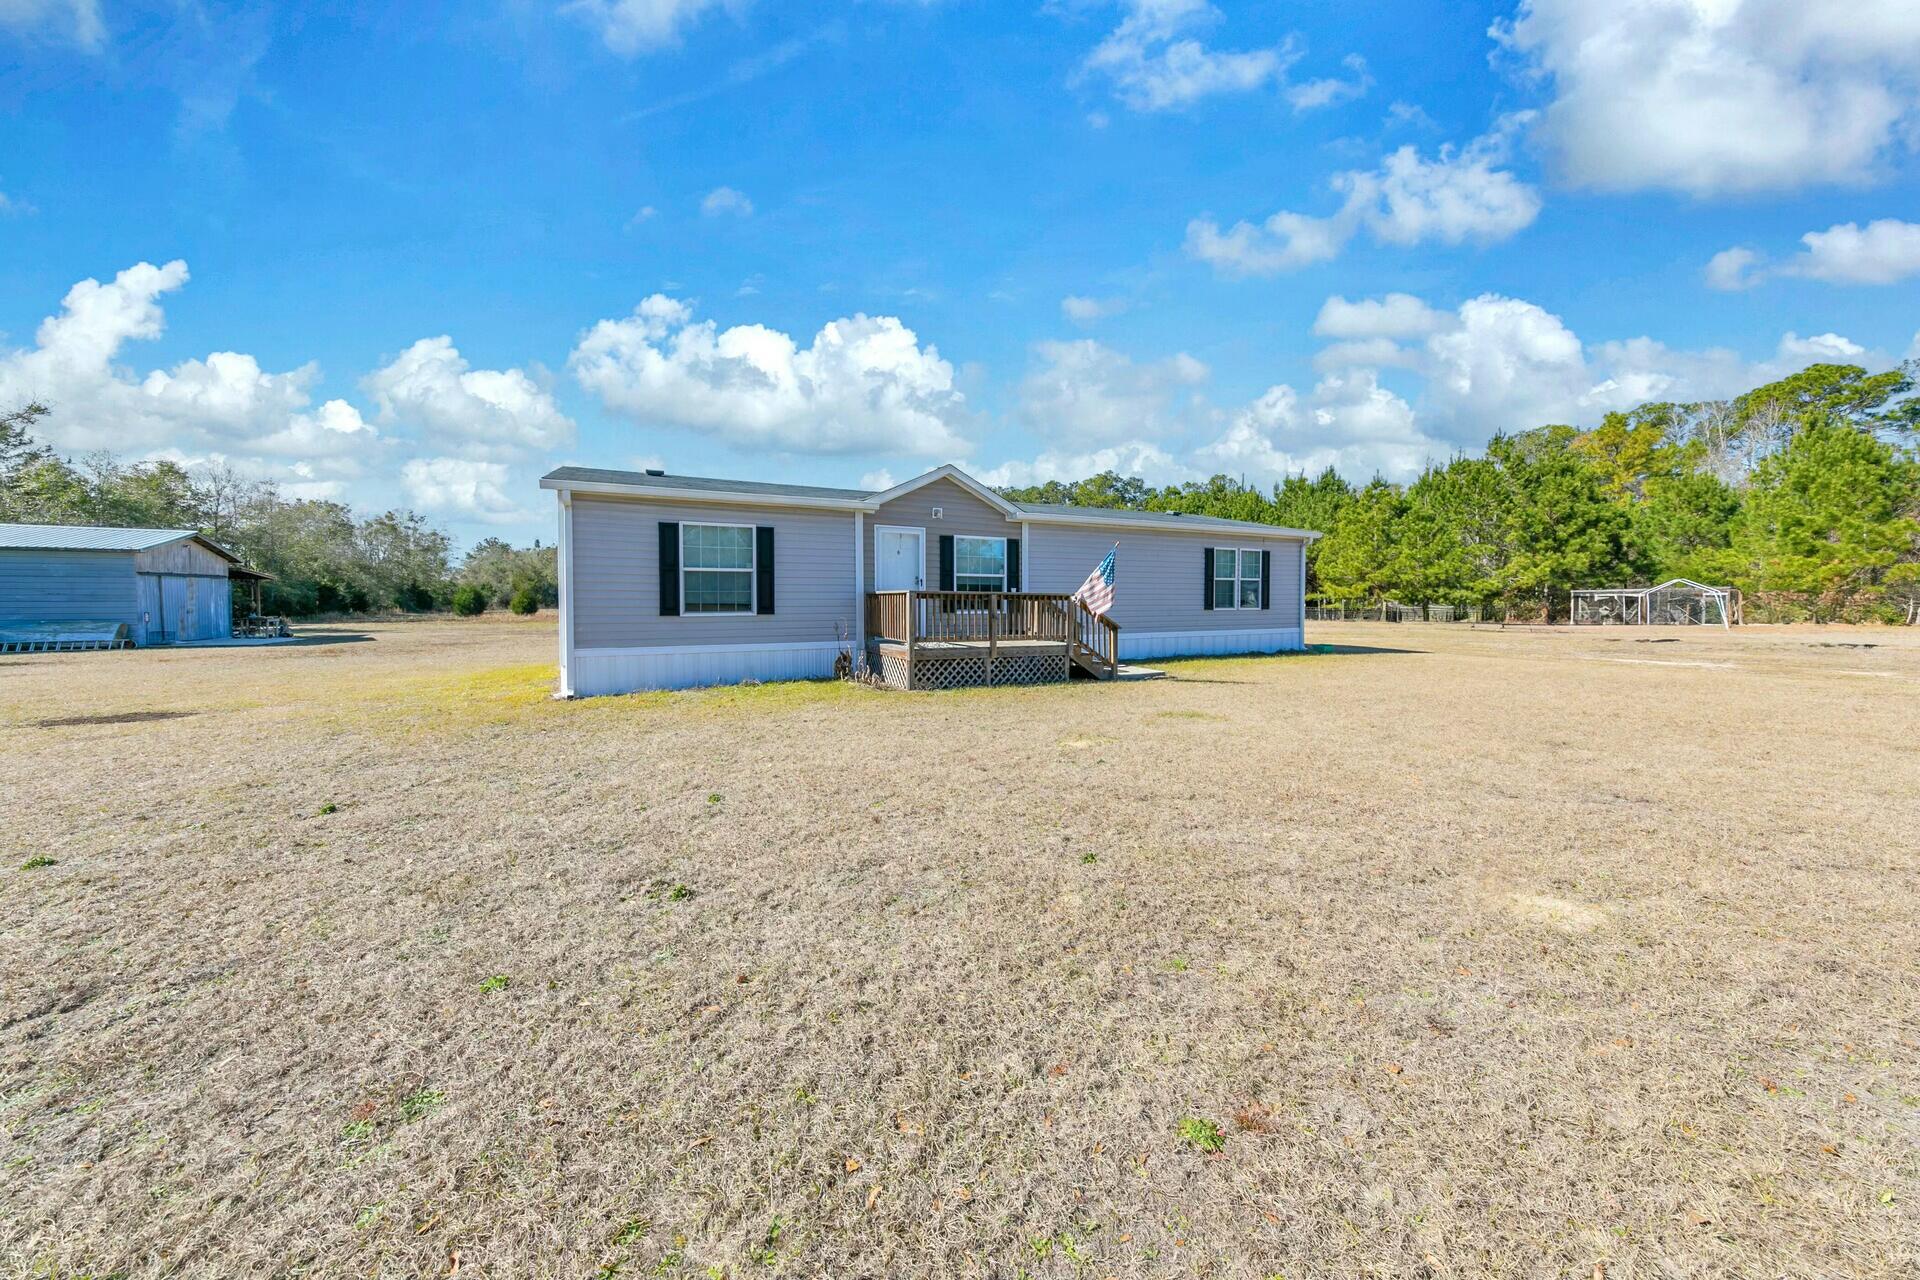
(1236, 577)
(716, 568)
(979, 564)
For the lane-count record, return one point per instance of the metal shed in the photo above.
(166, 585)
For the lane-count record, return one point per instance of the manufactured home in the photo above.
(146, 586)
(672, 581)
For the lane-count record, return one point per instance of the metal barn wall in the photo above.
(40, 585)
(176, 607)
(186, 556)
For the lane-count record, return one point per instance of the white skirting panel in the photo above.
(1135, 645)
(598, 671)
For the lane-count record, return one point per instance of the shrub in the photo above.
(525, 601)
(469, 600)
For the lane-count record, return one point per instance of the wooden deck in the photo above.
(949, 639)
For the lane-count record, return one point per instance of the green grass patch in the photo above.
(1202, 1134)
(498, 982)
(38, 861)
(421, 1103)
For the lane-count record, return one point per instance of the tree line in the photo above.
(324, 559)
(1804, 494)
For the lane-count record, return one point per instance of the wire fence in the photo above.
(1394, 611)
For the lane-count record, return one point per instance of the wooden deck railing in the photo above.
(916, 618)
(1100, 635)
(969, 617)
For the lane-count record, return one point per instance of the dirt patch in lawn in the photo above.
(1445, 952)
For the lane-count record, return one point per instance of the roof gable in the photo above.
(959, 477)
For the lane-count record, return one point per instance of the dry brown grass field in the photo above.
(1487, 953)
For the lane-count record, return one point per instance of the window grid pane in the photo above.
(1223, 595)
(979, 564)
(717, 591)
(1249, 594)
(718, 546)
(1223, 563)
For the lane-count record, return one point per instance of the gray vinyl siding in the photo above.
(1159, 575)
(960, 513)
(61, 586)
(616, 575)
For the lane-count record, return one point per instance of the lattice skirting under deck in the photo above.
(971, 670)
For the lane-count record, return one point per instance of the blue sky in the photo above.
(419, 255)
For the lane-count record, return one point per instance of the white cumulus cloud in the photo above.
(1350, 422)
(462, 486)
(1885, 251)
(1397, 315)
(1084, 394)
(1155, 60)
(1460, 194)
(864, 383)
(630, 27)
(1142, 458)
(488, 412)
(725, 200)
(224, 406)
(1715, 97)
(1329, 91)
(1083, 310)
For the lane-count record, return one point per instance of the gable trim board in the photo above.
(616, 638)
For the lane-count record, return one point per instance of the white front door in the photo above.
(899, 559)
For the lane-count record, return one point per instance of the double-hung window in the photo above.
(1236, 578)
(979, 564)
(716, 568)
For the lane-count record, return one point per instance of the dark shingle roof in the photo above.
(757, 488)
(646, 480)
(1131, 513)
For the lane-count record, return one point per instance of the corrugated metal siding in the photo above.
(182, 557)
(1159, 576)
(616, 575)
(55, 585)
(960, 513)
(84, 537)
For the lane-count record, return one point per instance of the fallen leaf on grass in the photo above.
(1394, 1068)
(1848, 1098)
(853, 1164)
(700, 1142)
(872, 1196)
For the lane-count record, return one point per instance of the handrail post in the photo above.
(993, 614)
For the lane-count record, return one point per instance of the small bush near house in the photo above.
(469, 600)
(525, 601)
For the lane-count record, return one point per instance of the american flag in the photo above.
(1097, 591)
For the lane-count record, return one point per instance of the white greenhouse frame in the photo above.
(1675, 602)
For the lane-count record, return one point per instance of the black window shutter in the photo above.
(1266, 578)
(1013, 564)
(1206, 564)
(763, 566)
(669, 568)
(946, 562)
